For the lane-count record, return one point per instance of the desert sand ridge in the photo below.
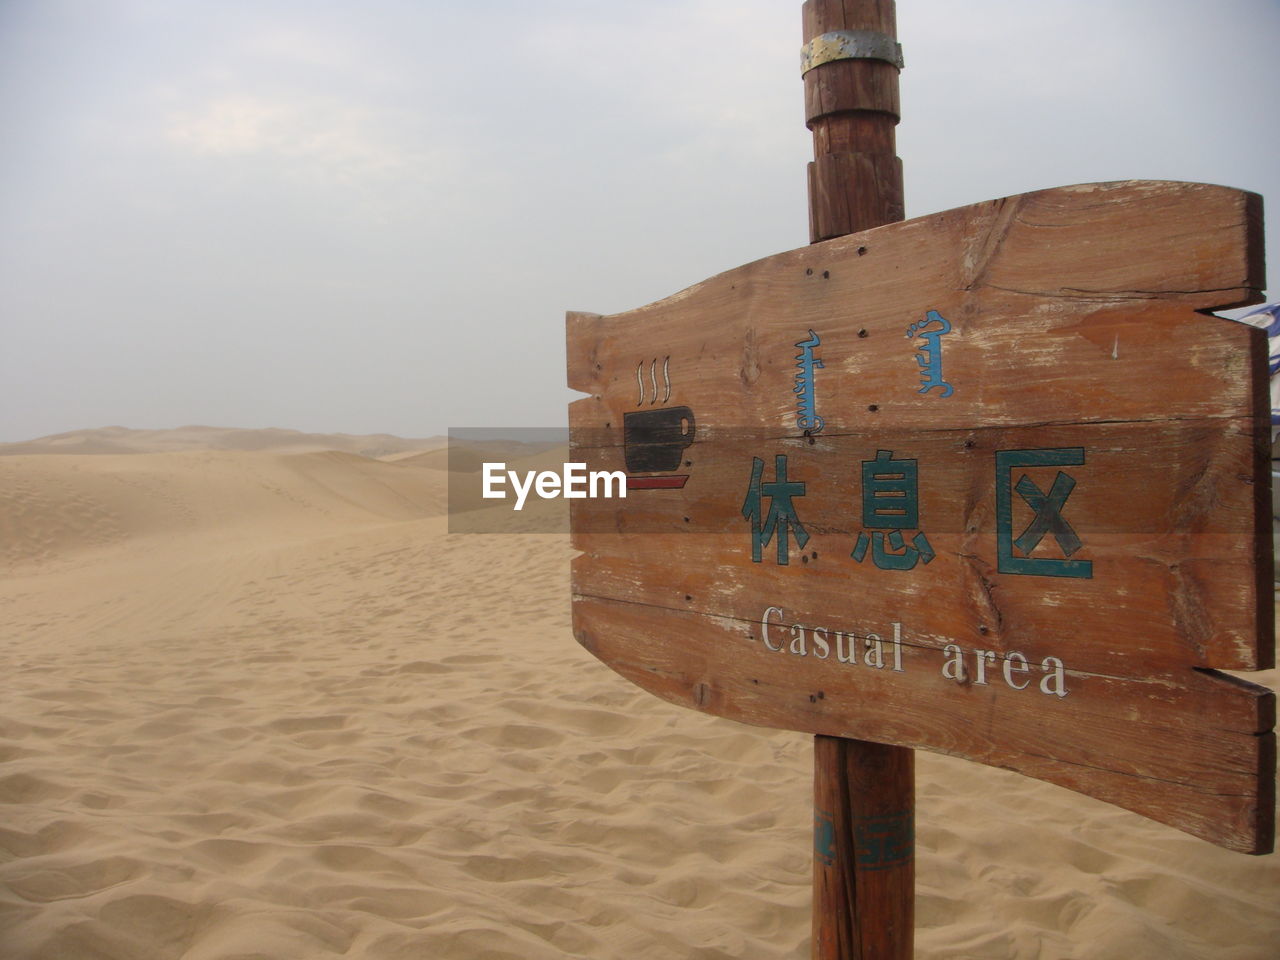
(127, 440)
(261, 704)
(55, 507)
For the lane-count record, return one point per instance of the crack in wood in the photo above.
(708, 434)
(979, 255)
(1114, 296)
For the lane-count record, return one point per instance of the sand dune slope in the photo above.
(55, 507)
(127, 440)
(260, 706)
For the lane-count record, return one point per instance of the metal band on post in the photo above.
(850, 45)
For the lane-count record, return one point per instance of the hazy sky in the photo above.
(371, 216)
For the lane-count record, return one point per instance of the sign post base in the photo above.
(864, 850)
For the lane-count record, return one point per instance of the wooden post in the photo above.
(864, 793)
(851, 105)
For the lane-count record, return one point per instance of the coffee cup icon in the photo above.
(654, 441)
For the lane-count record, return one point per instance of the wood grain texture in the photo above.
(864, 824)
(1075, 325)
(1077, 303)
(1165, 520)
(1188, 748)
(852, 108)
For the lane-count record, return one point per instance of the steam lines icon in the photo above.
(653, 381)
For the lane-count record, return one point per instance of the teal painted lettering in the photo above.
(1013, 554)
(807, 418)
(891, 504)
(781, 520)
(929, 356)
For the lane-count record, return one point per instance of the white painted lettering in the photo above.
(953, 668)
(983, 657)
(851, 647)
(845, 650)
(1013, 666)
(797, 640)
(873, 656)
(1020, 666)
(821, 646)
(1054, 681)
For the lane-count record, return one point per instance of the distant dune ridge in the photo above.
(126, 440)
(259, 703)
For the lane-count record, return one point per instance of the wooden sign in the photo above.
(990, 483)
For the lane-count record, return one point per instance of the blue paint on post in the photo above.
(884, 841)
(824, 837)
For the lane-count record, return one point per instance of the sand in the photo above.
(261, 704)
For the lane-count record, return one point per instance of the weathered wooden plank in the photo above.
(1103, 327)
(1135, 743)
(1171, 578)
(1007, 428)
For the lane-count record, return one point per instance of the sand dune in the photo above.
(54, 507)
(461, 456)
(127, 440)
(264, 705)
